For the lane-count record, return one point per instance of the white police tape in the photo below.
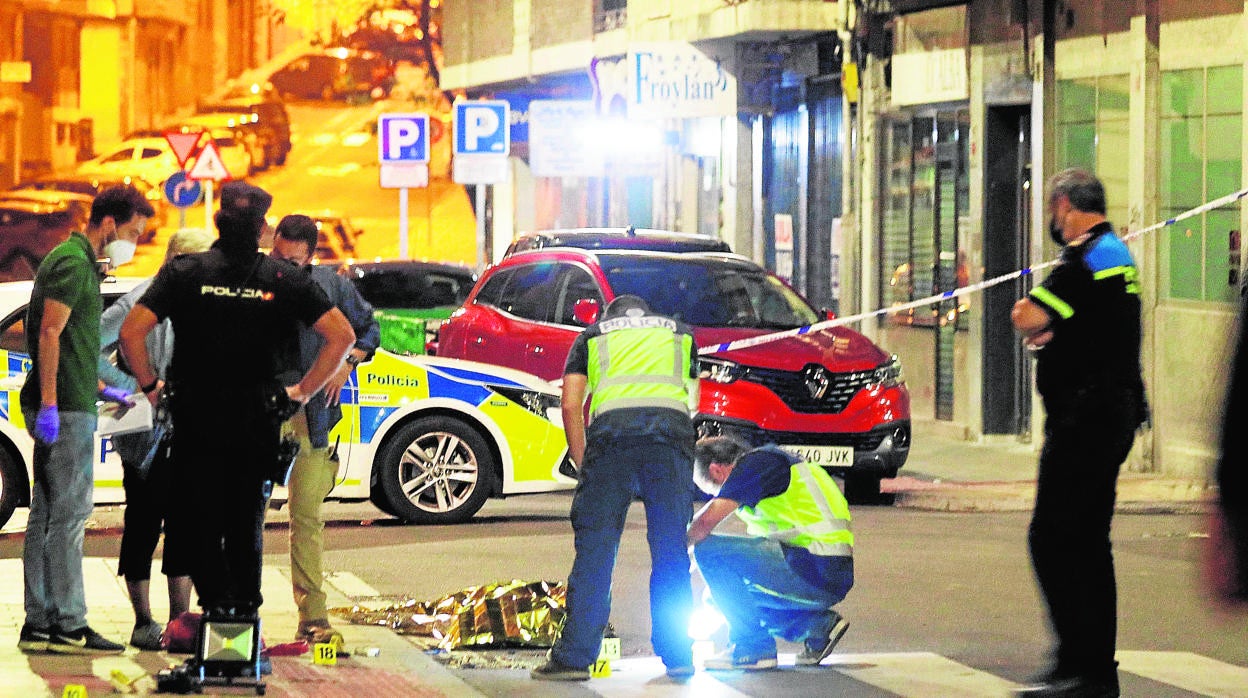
(957, 292)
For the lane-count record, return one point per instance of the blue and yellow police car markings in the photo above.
(18, 364)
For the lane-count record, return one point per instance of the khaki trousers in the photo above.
(311, 480)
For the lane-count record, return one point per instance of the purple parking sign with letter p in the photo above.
(403, 138)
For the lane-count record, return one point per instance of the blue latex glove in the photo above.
(119, 395)
(48, 424)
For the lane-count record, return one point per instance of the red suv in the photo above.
(832, 395)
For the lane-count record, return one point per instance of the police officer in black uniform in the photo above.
(1084, 323)
(236, 316)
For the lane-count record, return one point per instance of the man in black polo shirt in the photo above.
(1084, 323)
(236, 316)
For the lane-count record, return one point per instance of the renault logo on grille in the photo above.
(817, 381)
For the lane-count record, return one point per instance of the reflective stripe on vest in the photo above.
(639, 362)
(814, 516)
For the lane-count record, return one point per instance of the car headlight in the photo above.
(719, 370)
(536, 402)
(888, 374)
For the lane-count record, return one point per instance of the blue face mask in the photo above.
(119, 252)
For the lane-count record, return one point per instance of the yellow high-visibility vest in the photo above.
(640, 362)
(812, 514)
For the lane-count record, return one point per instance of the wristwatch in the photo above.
(353, 360)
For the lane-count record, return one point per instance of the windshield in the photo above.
(709, 293)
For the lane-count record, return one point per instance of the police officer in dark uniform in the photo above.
(236, 316)
(1084, 323)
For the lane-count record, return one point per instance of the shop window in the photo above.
(1201, 145)
(1092, 134)
(924, 195)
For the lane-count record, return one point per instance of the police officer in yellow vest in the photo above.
(641, 370)
(796, 563)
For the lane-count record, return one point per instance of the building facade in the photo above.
(881, 153)
(737, 130)
(77, 75)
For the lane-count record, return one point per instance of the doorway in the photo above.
(1007, 228)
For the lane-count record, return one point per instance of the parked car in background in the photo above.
(629, 238)
(411, 299)
(268, 117)
(149, 158)
(830, 395)
(91, 185)
(339, 227)
(335, 73)
(32, 222)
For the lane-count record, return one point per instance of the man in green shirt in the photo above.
(58, 404)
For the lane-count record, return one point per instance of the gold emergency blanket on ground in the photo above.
(504, 614)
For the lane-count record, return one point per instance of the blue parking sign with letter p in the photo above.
(482, 128)
(403, 138)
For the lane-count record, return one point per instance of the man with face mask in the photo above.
(58, 402)
(312, 477)
(1084, 324)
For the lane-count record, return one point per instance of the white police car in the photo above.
(427, 439)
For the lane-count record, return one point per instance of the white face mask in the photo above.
(119, 252)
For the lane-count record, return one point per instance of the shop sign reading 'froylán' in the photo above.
(676, 80)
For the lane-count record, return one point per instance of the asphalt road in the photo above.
(954, 585)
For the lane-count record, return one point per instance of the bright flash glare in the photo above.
(621, 139)
(704, 621)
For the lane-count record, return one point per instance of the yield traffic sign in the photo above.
(183, 144)
(208, 165)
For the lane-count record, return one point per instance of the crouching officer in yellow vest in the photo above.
(796, 563)
(641, 371)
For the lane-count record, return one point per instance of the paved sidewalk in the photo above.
(398, 669)
(947, 473)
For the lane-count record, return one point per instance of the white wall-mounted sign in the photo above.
(930, 76)
(560, 140)
(675, 80)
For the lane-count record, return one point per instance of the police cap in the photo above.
(247, 199)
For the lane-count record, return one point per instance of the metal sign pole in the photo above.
(481, 254)
(403, 223)
(208, 205)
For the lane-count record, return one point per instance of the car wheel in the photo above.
(436, 470)
(865, 489)
(12, 482)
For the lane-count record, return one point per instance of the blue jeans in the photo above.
(662, 476)
(761, 596)
(60, 504)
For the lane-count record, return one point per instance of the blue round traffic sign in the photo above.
(182, 192)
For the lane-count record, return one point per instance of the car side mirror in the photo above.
(586, 311)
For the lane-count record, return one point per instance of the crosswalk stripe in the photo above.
(1191, 672)
(919, 675)
(644, 676)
